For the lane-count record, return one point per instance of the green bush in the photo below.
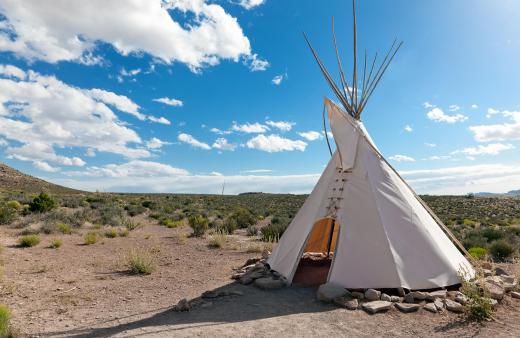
(140, 262)
(243, 217)
(7, 214)
(199, 224)
(14, 205)
(252, 230)
(229, 226)
(42, 203)
(501, 250)
(56, 243)
(492, 234)
(478, 307)
(64, 228)
(29, 241)
(468, 222)
(477, 252)
(217, 241)
(130, 224)
(5, 321)
(273, 231)
(111, 233)
(90, 238)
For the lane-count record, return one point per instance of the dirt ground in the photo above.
(84, 291)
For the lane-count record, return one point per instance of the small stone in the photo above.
(431, 307)
(376, 306)
(419, 295)
(495, 291)
(487, 272)
(182, 305)
(501, 271)
(358, 295)
(515, 294)
(372, 294)
(400, 292)
(386, 297)
(453, 294)
(509, 287)
(508, 279)
(352, 304)
(347, 302)
(461, 299)
(493, 303)
(438, 304)
(268, 283)
(407, 308)
(395, 299)
(328, 291)
(453, 306)
(408, 298)
(437, 294)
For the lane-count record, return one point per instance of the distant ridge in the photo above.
(14, 180)
(491, 194)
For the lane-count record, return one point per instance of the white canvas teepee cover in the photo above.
(387, 239)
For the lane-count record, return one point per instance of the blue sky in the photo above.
(182, 96)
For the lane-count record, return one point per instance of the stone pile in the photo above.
(260, 275)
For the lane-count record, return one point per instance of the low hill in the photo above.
(14, 180)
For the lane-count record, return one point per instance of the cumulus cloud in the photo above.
(220, 132)
(454, 108)
(187, 138)
(428, 105)
(408, 128)
(223, 144)
(491, 112)
(437, 115)
(44, 166)
(154, 143)
(402, 158)
(44, 114)
(437, 157)
(281, 125)
(135, 168)
(12, 72)
(249, 4)
(257, 171)
(490, 149)
(274, 143)
(249, 128)
(70, 31)
(498, 132)
(311, 135)
(474, 106)
(169, 101)
(256, 64)
(277, 80)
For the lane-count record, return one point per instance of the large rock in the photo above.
(267, 283)
(372, 294)
(453, 294)
(251, 275)
(509, 287)
(515, 294)
(419, 295)
(495, 291)
(508, 279)
(461, 299)
(439, 304)
(437, 294)
(328, 291)
(182, 305)
(453, 306)
(358, 295)
(376, 306)
(347, 302)
(430, 307)
(501, 271)
(408, 298)
(394, 299)
(386, 297)
(407, 308)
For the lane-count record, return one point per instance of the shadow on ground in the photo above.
(252, 304)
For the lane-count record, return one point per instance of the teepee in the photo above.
(362, 216)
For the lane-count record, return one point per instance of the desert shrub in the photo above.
(48, 228)
(56, 243)
(474, 238)
(252, 230)
(181, 237)
(64, 228)
(29, 241)
(134, 209)
(140, 262)
(500, 250)
(273, 232)
(217, 241)
(228, 226)
(147, 204)
(130, 224)
(492, 234)
(243, 217)
(199, 224)
(123, 232)
(468, 222)
(478, 307)
(7, 214)
(72, 201)
(255, 248)
(5, 321)
(14, 205)
(477, 252)
(111, 233)
(90, 238)
(42, 203)
(170, 223)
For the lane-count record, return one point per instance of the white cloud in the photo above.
(43, 114)
(474, 106)
(257, 171)
(135, 168)
(169, 101)
(464, 179)
(249, 4)
(256, 64)
(223, 144)
(70, 31)
(274, 143)
(220, 132)
(498, 132)
(3, 143)
(490, 149)
(187, 138)
(408, 128)
(428, 105)
(129, 73)
(402, 158)
(311, 135)
(281, 125)
(437, 158)
(431, 145)
(250, 128)
(160, 120)
(454, 108)
(216, 173)
(437, 115)
(12, 71)
(277, 80)
(44, 166)
(154, 143)
(491, 112)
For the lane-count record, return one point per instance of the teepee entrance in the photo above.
(316, 260)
